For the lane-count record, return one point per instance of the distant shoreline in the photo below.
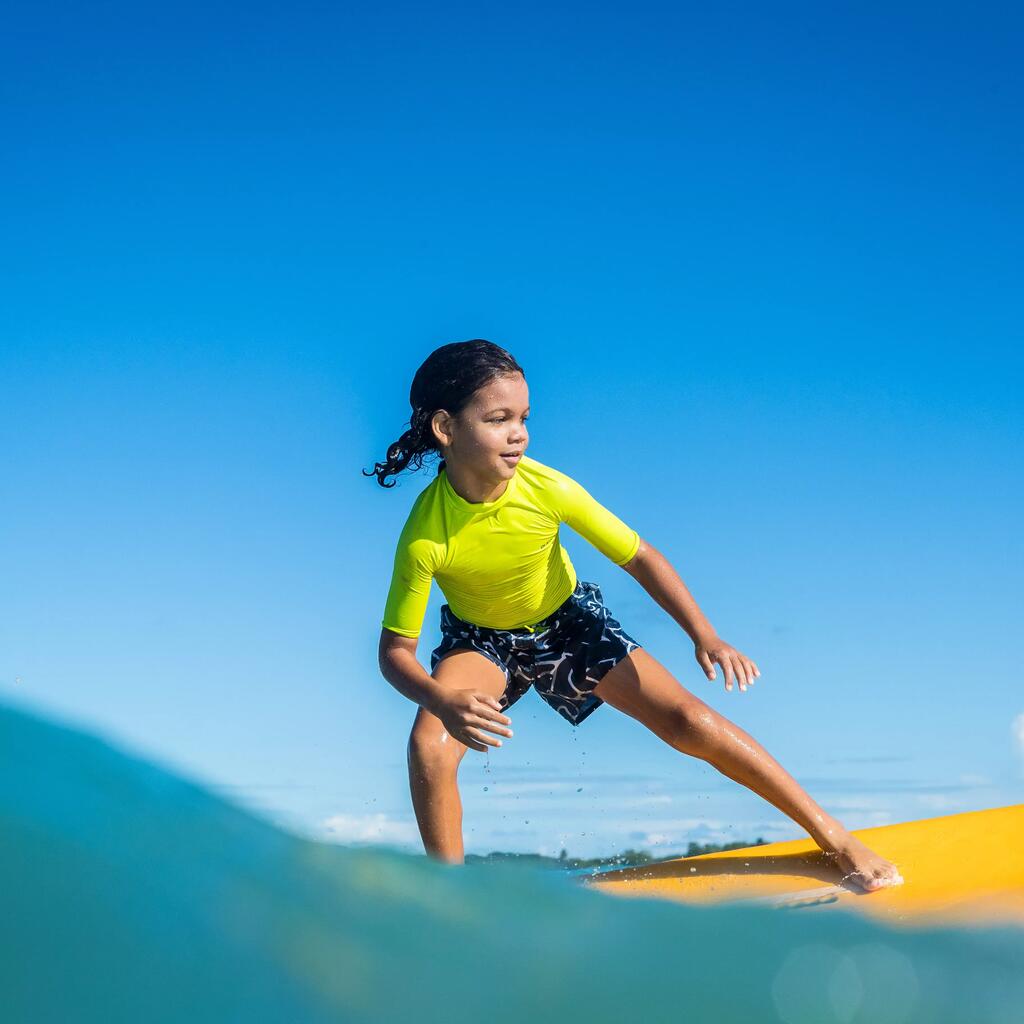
(625, 859)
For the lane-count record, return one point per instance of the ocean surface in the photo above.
(130, 894)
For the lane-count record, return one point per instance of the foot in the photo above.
(862, 865)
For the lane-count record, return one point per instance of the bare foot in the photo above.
(863, 865)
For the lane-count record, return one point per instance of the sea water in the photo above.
(130, 894)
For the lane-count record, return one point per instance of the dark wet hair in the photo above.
(447, 380)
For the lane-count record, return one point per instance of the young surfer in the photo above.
(486, 528)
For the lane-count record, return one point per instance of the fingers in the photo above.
(736, 667)
(706, 663)
(746, 670)
(730, 675)
(735, 672)
(742, 674)
(491, 705)
(491, 726)
(490, 714)
(492, 710)
(476, 733)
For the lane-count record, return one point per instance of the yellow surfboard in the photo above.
(960, 868)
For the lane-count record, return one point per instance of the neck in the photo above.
(470, 487)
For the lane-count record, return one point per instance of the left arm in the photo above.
(625, 547)
(653, 571)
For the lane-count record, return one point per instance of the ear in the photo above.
(441, 427)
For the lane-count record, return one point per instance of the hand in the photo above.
(467, 713)
(732, 661)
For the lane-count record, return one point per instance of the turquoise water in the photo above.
(134, 895)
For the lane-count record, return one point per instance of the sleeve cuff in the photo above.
(633, 549)
(401, 632)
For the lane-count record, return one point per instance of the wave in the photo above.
(132, 894)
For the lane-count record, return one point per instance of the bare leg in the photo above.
(435, 791)
(434, 758)
(643, 688)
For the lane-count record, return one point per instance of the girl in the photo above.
(486, 528)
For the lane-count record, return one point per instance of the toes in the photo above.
(887, 877)
(873, 879)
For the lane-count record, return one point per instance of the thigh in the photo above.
(460, 669)
(641, 687)
(464, 668)
(493, 646)
(584, 643)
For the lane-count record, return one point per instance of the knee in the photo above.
(693, 728)
(431, 750)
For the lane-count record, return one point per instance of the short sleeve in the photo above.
(595, 523)
(410, 588)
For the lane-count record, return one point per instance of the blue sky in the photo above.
(762, 269)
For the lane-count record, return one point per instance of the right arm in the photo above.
(463, 712)
(403, 619)
(399, 665)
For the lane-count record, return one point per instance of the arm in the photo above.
(464, 712)
(403, 619)
(653, 571)
(399, 665)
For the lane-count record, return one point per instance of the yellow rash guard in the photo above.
(498, 563)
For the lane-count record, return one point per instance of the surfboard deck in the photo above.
(960, 868)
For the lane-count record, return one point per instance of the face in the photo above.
(489, 435)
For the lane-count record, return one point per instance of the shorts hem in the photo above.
(588, 710)
(597, 701)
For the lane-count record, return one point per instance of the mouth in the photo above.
(512, 457)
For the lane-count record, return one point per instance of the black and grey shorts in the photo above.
(563, 657)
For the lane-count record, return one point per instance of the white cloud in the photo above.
(649, 801)
(1017, 728)
(857, 802)
(680, 831)
(370, 828)
(940, 801)
(498, 788)
(649, 839)
(971, 779)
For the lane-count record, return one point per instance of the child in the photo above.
(486, 528)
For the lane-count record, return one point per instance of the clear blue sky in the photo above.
(762, 268)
